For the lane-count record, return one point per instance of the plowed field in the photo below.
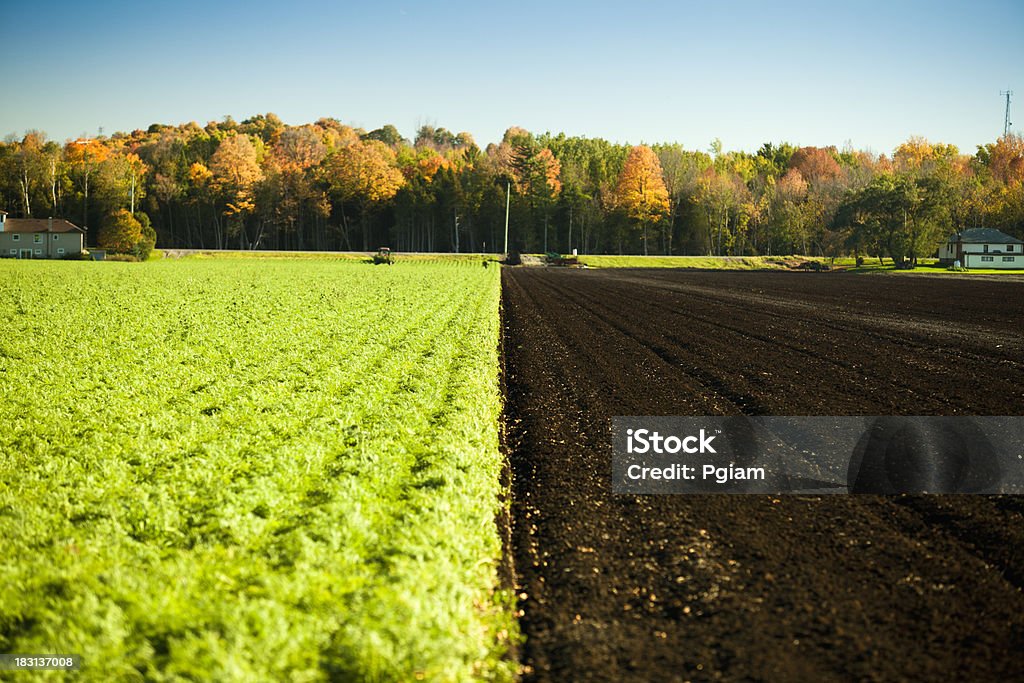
(755, 587)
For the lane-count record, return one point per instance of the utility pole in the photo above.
(570, 228)
(508, 201)
(1006, 120)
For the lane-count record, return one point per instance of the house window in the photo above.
(37, 239)
(985, 249)
(60, 250)
(988, 258)
(1008, 258)
(1009, 247)
(55, 238)
(14, 251)
(16, 237)
(39, 251)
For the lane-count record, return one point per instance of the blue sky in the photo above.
(811, 73)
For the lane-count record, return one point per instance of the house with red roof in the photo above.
(39, 237)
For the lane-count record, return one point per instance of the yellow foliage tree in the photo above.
(236, 170)
(1006, 159)
(135, 169)
(429, 165)
(199, 175)
(121, 233)
(84, 156)
(917, 153)
(363, 173)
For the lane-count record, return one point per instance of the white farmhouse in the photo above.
(983, 248)
(39, 237)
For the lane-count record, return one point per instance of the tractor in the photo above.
(383, 255)
(553, 258)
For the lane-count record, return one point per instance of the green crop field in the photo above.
(252, 470)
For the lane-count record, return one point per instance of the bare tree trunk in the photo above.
(570, 230)
(455, 212)
(671, 230)
(344, 228)
(26, 191)
(53, 184)
(362, 226)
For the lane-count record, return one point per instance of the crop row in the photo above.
(252, 470)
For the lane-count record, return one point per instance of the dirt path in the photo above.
(789, 588)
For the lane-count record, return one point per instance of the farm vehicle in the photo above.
(383, 255)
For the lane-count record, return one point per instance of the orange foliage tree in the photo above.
(1005, 158)
(641, 191)
(84, 156)
(815, 164)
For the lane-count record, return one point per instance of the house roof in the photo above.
(39, 225)
(984, 236)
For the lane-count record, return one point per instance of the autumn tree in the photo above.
(1004, 159)
(121, 233)
(120, 181)
(265, 127)
(281, 186)
(533, 167)
(793, 210)
(441, 139)
(290, 192)
(84, 157)
(364, 174)
(236, 170)
(918, 155)
(29, 166)
(535, 174)
(816, 164)
(641, 190)
(56, 176)
(134, 170)
(542, 184)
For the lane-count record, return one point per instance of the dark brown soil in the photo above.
(786, 588)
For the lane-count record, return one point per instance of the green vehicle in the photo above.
(383, 255)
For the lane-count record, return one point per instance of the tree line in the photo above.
(261, 184)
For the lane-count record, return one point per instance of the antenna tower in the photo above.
(1006, 121)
